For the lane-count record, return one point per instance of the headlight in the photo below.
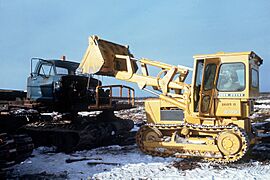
(57, 85)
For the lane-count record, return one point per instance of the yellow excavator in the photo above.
(208, 118)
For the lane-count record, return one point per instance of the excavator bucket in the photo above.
(100, 57)
(110, 59)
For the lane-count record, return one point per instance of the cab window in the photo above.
(254, 78)
(209, 76)
(198, 83)
(231, 77)
(61, 71)
(46, 70)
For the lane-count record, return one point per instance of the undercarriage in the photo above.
(222, 144)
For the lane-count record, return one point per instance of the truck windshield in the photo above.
(62, 71)
(231, 77)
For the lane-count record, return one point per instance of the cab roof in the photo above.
(251, 54)
(60, 63)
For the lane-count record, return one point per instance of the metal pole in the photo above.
(128, 96)
(97, 97)
(133, 97)
(110, 96)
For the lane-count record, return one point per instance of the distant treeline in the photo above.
(265, 93)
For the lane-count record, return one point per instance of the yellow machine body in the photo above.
(208, 118)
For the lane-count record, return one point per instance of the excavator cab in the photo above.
(225, 84)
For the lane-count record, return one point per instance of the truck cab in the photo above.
(54, 82)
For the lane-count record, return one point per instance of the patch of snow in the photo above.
(130, 163)
(255, 115)
(263, 101)
(167, 171)
(262, 106)
(91, 113)
(135, 128)
(54, 163)
(141, 171)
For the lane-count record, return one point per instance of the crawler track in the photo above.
(14, 149)
(230, 142)
(71, 136)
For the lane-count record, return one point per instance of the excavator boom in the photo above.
(110, 59)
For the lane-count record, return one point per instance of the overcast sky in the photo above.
(169, 31)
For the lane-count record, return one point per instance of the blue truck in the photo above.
(54, 84)
(48, 113)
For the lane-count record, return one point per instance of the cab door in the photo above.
(208, 88)
(41, 83)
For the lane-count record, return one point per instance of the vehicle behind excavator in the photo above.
(63, 109)
(208, 118)
(55, 86)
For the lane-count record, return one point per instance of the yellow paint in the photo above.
(201, 106)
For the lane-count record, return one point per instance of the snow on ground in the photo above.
(130, 163)
(55, 163)
(262, 106)
(167, 171)
(127, 162)
(263, 101)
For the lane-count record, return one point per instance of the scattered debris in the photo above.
(43, 176)
(71, 160)
(99, 162)
(186, 164)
